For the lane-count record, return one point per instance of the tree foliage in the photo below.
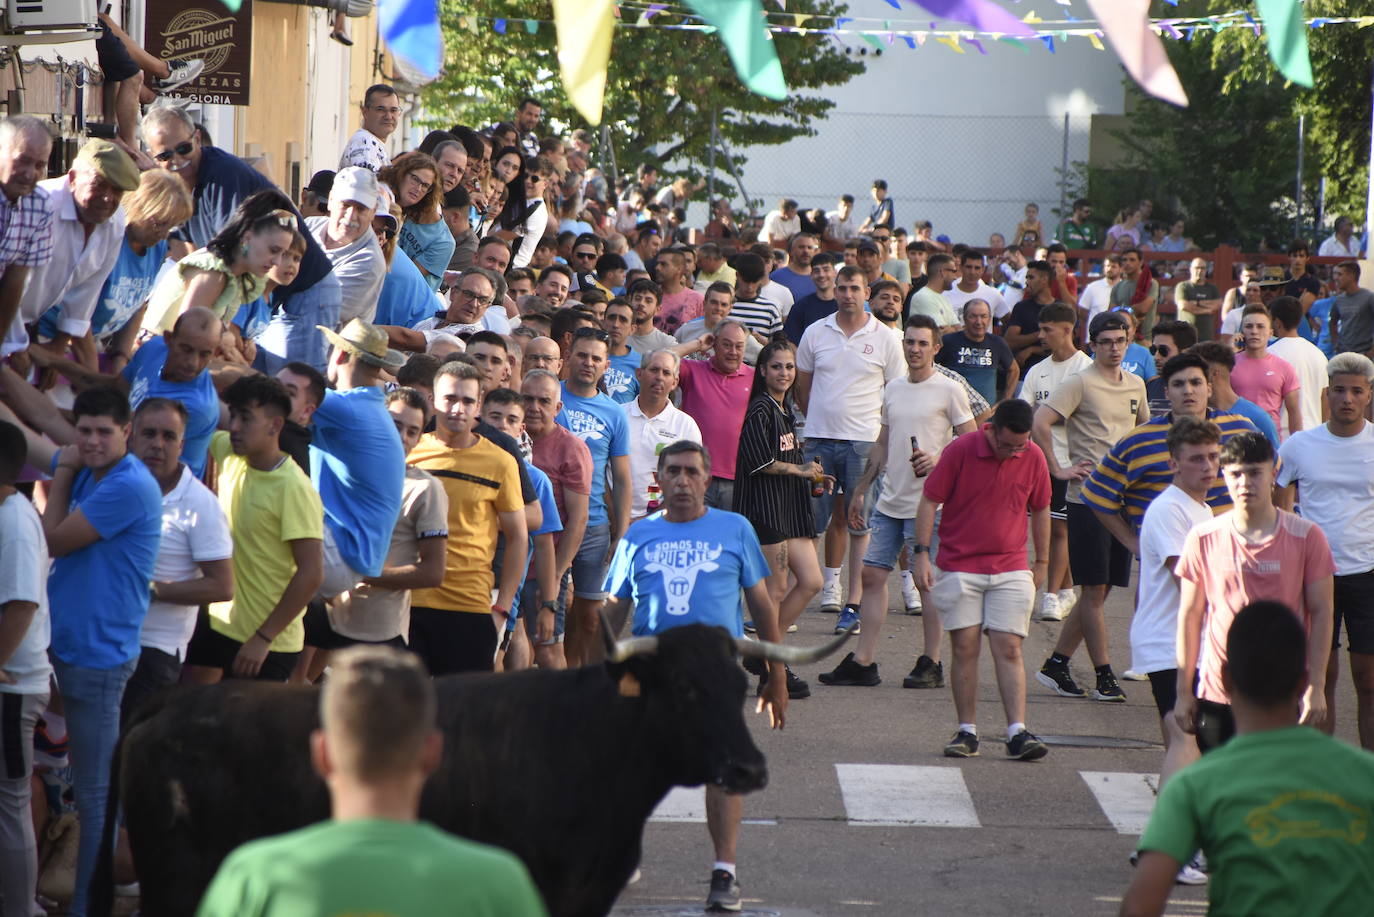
(663, 86)
(1228, 162)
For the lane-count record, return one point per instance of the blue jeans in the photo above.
(91, 698)
(291, 336)
(845, 459)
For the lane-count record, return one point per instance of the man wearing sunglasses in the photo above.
(381, 109)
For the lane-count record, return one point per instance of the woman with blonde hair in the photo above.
(424, 236)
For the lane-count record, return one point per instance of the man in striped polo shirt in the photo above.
(1136, 469)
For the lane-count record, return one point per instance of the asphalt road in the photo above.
(863, 815)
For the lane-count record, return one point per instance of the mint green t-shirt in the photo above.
(372, 867)
(1284, 819)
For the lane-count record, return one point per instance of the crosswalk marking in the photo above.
(1126, 799)
(905, 795)
(682, 804)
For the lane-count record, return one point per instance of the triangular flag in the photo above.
(981, 14)
(1287, 39)
(584, 48)
(1049, 42)
(744, 32)
(500, 26)
(1030, 17)
(1014, 41)
(1097, 42)
(977, 44)
(872, 40)
(410, 29)
(910, 42)
(1126, 24)
(233, 5)
(951, 43)
(799, 19)
(532, 26)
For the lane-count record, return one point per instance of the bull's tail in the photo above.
(100, 896)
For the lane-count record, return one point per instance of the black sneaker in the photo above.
(927, 674)
(963, 745)
(796, 687)
(1108, 690)
(724, 894)
(1056, 677)
(850, 673)
(1026, 747)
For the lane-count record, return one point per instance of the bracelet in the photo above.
(260, 635)
(503, 612)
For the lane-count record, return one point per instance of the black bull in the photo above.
(562, 768)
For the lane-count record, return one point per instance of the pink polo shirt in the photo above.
(983, 526)
(717, 403)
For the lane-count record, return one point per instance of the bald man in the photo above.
(543, 353)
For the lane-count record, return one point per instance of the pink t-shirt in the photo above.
(1265, 381)
(564, 457)
(679, 308)
(717, 403)
(1234, 572)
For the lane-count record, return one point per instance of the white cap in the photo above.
(355, 184)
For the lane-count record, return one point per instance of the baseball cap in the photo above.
(384, 201)
(1107, 321)
(355, 184)
(110, 162)
(321, 182)
(868, 245)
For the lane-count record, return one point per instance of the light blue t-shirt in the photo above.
(1140, 361)
(1259, 417)
(124, 291)
(687, 572)
(144, 374)
(1321, 311)
(543, 487)
(253, 318)
(406, 298)
(621, 382)
(98, 595)
(600, 423)
(358, 466)
(429, 244)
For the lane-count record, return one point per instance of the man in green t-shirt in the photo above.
(1281, 811)
(1198, 300)
(1077, 231)
(377, 746)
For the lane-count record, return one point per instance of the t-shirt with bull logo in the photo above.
(600, 423)
(687, 572)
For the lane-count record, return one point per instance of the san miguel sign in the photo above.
(177, 31)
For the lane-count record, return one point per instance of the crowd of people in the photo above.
(474, 400)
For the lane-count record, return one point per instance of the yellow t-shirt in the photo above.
(266, 509)
(481, 481)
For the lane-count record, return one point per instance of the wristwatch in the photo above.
(549, 603)
(920, 549)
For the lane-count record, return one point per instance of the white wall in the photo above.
(964, 140)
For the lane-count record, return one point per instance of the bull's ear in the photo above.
(628, 685)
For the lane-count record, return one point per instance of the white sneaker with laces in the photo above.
(1133, 675)
(831, 600)
(1190, 875)
(911, 598)
(1049, 608)
(181, 74)
(1067, 599)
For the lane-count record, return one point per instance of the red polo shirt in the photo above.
(717, 403)
(983, 525)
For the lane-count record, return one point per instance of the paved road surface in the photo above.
(864, 816)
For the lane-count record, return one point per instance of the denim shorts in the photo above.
(589, 567)
(890, 535)
(529, 609)
(845, 460)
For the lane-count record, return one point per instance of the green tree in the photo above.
(663, 86)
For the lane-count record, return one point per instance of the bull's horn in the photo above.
(792, 655)
(634, 646)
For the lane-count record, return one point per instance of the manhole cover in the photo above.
(1097, 742)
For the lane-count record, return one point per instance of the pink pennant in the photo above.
(1127, 26)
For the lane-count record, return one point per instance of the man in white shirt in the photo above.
(930, 299)
(846, 359)
(1096, 297)
(1342, 243)
(971, 286)
(349, 243)
(781, 225)
(87, 233)
(655, 423)
(194, 558)
(839, 223)
(470, 310)
(1328, 465)
(1306, 359)
(381, 109)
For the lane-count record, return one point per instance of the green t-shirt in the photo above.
(1076, 237)
(372, 867)
(1284, 819)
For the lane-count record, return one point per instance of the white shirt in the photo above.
(776, 292)
(1335, 478)
(194, 531)
(648, 437)
(1095, 297)
(956, 297)
(1334, 248)
(1041, 380)
(24, 578)
(847, 377)
(838, 229)
(365, 149)
(1154, 627)
(75, 275)
(929, 411)
(775, 227)
(494, 319)
(1310, 364)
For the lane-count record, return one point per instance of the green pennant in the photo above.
(1286, 33)
(233, 5)
(744, 32)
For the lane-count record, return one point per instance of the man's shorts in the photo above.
(1164, 685)
(213, 650)
(589, 564)
(1059, 499)
(890, 535)
(453, 641)
(1216, 725)
(529, 610)
(114, 59)
(995, 601)
(845, 460)
(1096, 558)
(320, 633)
(1353, 603)
(338, 575)
(720, 494)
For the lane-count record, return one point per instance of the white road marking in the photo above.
(1126, 799)
(682, 804)
(906, 795)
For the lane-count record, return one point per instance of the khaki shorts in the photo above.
(997, 601)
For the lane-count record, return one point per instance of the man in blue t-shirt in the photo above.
(600, 423)
(813, 307)
(983, 359)
(357, 462)
(103, 523)
(687, 565)
(621, 382)
(797, 275)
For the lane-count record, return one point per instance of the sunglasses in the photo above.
(584, 254)
(181, 149)
(585, 332)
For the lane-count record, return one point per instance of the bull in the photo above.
(562, 768)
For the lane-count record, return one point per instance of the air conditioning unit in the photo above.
(43, 15)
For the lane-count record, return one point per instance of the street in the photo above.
(863, 815)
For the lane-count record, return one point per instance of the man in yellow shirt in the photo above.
(454, 626)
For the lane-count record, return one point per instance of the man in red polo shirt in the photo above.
(986, 480)
(715, 393)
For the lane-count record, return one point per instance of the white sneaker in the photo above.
(831, 600)
(1049, 608)
(1133, 675)
(1067, 599)
(911, 598)
(1190, 875)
